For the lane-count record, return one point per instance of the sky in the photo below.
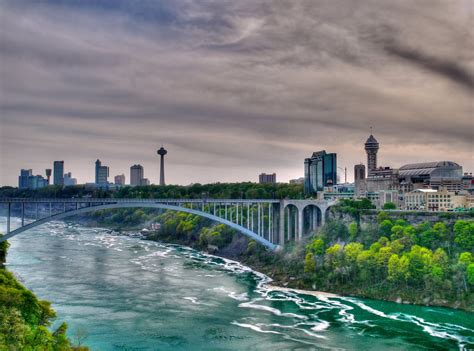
(233, 88)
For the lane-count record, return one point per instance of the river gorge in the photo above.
(123, 293)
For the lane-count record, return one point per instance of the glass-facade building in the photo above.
(101, 173)
(23, 178)
(58, 173)
(320, 170)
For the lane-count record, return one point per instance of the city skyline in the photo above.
(233, 89)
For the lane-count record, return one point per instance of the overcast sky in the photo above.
(232, 88)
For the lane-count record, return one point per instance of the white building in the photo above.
(69, 180)
(434, 200)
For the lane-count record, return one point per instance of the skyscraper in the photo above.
(162, 152)
(23, 178)
(101, 173)
(136, 175)
(320, 170)
(371, 147)
(58, 176)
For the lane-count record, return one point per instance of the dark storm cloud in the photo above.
(450, 70)
(232, 88)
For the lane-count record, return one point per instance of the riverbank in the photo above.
(24, 319)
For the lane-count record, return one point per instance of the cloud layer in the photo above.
(232, 88)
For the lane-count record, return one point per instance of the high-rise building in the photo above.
(320, 170)
(23, 178)
(264, 178)
(58, 176)
(371, 148)
(69, 180)
(162, 152)
(136, 175)
(119, 179)
(27, 180)
(101, 173)
(144, 181)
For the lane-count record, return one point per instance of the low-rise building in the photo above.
(37, 182)
(434, 200)
(119, 179)
(69, 180)
(297, 181)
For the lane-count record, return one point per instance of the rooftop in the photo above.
(426, 168)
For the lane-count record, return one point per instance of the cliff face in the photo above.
(369, 217)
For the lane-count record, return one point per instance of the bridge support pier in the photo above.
(8, 217)
(22, 214)
(281, 225)
(323, 215)
(300, 224)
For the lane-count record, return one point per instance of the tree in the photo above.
(397, 232)
(353, 230)
(470, 274)
(386, 227)
(465, 259)
(398, 269)
(316, 247)
(3, 251)
(389, 206)
(464, 234)
(309, 263)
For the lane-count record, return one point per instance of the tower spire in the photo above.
(371, 148)
(162, 152)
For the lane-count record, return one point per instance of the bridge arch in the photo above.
(250, 234)
(312, 218)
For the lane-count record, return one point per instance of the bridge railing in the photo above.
(134, 200)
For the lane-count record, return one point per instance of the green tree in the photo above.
(470, 274)
(3, 251)
(389, 206)
(353, 231)
(316, 246)
(309, 263)
(464, 234)
(386, 227)
(398, 269)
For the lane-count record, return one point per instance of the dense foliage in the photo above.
(424, 263)
(24, 319)
(245, 190)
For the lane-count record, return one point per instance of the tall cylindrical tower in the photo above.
(371, 147)
(48, 175)
(162, 152)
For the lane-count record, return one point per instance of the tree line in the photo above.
(245, 190)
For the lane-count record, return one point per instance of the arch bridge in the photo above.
(271, 223)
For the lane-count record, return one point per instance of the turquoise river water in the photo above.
(122, 293)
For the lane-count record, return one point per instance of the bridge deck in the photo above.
(122, 200)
